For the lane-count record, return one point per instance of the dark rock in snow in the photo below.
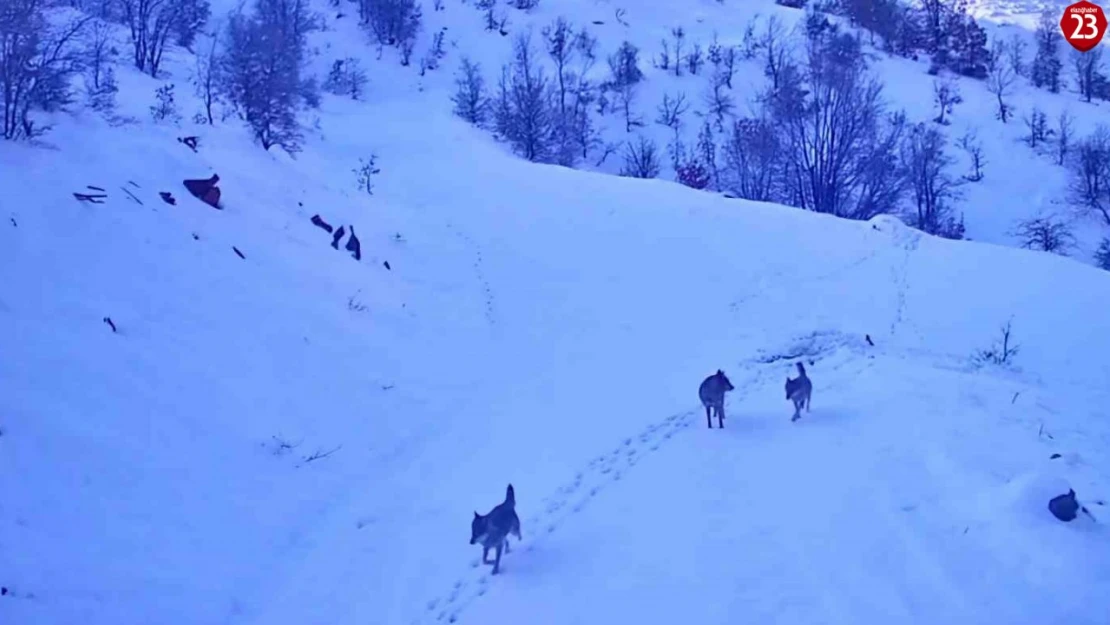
(320, 223)
(338, 235)
(205, 190)
(192, 142)
(354, 246)
(1064, 507)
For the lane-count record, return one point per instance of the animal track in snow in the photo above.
(568, 499)
(479, 272)
(571, 498)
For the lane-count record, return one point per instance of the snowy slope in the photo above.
(1020, 182)
(539, 326)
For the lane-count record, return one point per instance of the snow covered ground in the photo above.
(535, 325)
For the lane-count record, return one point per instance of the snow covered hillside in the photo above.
(212, 416)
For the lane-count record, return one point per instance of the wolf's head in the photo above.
(478, 528)
(727, 385)
(790, 385)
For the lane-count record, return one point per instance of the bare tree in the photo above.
(971, 144)
(719, 102)
(393, 22)
(37, 61)
(1046, 234)
(1064, 130)
(152, 22)
(346, 78)
(487, 7)
(946, 95)
(261, 72)
(749, 41)
(670, 115)
(882, 182)
(192, 15)
(1046, 67)
(695, 59)
(583, 129)
(751, 159)
(470, 93)
(625, 76)
(1002, 352)
(1015, 53)
(523, 110)
(206, 78)
(707, 153)
(671, 110)
(560, 42)
(165, 106)
(728, 66)
(99, 54)
(1087, 66)
(776, 54)
(1091, 172)
(679, 38)
(435, 53)
(926, 163)
(664, 58)
(1000, 82)
(829, 113)
(1037, 123)
(1102, 255)
(641, 159)
(100, 78)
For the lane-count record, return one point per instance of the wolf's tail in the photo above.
(801, 369)
(510, 496)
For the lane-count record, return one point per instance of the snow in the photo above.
(539, 326)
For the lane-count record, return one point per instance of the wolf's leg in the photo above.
(507, 550)
(485, 555)
(807, 401)
(708, 417)
(721, 416)
(497, 560)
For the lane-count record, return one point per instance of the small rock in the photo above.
(1064, 507)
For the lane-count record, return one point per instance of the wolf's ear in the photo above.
(719, 372)
(476, 515)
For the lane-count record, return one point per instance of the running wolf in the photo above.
(493, 529)
(798, 390)
(712, 394)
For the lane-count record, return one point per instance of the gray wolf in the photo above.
(799, 390)
(493, 529)
(712, 394)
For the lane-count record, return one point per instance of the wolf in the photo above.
(712, 394)
(493, 529)
(799, 390)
